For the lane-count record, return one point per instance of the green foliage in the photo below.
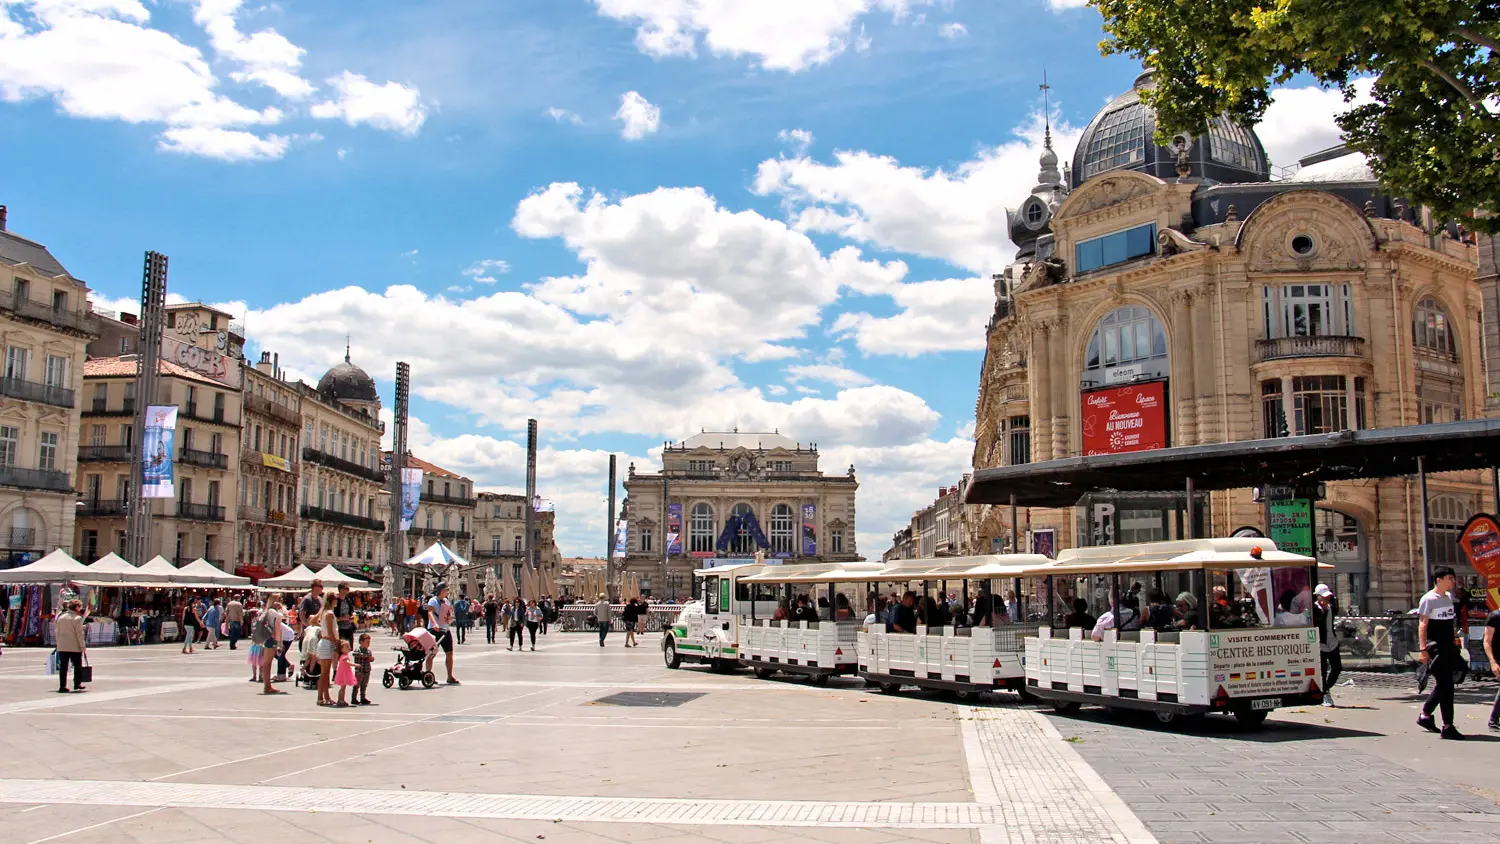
(1431, 132)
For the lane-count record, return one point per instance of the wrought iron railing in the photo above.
(20, 388)
(1280, 348)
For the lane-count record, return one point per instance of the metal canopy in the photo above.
(1347, 455)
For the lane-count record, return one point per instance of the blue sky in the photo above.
(631, 219)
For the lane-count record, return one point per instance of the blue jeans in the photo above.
(603, 629)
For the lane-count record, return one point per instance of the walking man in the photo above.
(1490, 626)
(211, 620)
(1438, 647)
(491, 617)
(343, 612)
(1328, 640)
(440, 619)
(70, 646)
(234, 616)
(601, 616)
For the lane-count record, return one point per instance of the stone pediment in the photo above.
(1305, 231)
(1107, 191)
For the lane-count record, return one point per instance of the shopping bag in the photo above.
(52, 663)
(85, 672)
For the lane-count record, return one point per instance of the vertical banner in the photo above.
(156, 452)
(411, 493)
(809, 530)
(620, 531)
(674, 529)
(1481, 543)
(1044, 542)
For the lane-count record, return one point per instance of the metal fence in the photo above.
(579, 618)
(1378, 642)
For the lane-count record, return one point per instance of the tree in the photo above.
(1431, 131)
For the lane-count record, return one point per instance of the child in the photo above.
(343, 675)
(363, 660)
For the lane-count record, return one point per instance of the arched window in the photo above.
(743, 542)
(1446, 517)
(1132, 342)
(701, 529)
(781, 529)
(1431, 330)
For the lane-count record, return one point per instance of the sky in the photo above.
(631, 220)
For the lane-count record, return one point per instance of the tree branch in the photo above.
(1474, 37)
(1454, 81)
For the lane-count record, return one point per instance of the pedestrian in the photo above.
(70, 647)
(328, 639)
(190, 625)
(440, 619)
(343, 673)
(491, 616)
(343, 613)
(263, 635)
(1492, 624)
(211, 621)
(1328, 639)
(234, 616)
(549, 612)
(533, 621)
(283, 646)
(1437, 638)
(628, 617)
(364, 661)
(311, 606)
(516, 631)
(601, 617)
(410, 607)
(461, 618)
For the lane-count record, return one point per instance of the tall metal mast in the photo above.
(398, 463)
(153, 315)
(609, 547)
(531, 502)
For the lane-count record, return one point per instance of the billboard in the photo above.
(1481, 543)
(674, 529)
(206, 362)
(1291, 526)
(1124, 419)
(809, 530)
(620, 531)
(157, 444)
(411, 493)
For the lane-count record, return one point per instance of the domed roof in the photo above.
(348, 382)
(1121, 137)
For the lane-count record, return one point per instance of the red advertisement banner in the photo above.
(1481, 542)
(1123, 419)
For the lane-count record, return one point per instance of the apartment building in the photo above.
(341, 476)
(270, 464)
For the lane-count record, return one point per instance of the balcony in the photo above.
(313, 455)
(1283, 348)
(101, 408)
(265, 516)
(455, 500)
(200, 512)
(20, 388)
(22, 306)
(214, 416)
(265, 407)
(333, 517)
(206, 459)
(35, 479)
(104, 454)
(436, 533)
(102, 508)
(18, 537)
(492, 554)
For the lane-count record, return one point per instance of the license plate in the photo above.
(1265, 703)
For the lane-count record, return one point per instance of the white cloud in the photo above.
(798, 139)
(789, 35)
(1063, 5)
(1300, 121)
(487, 271)
(776, 390)
(223, 144)
(955, 215)
(562, 115)
(342, 152)
(935, 316)
(953, 31)
(410, 253)
(829, 373)
(640, 117)
(393, 107)
(895, 481)
(266, 57)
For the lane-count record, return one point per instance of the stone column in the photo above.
(1041, 394)
(1288, 405)
(1185, 422)
(1204, 347)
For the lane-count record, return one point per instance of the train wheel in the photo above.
(765, 673)
(1250, 717)
(1065, 707)
(820, 679)
(890, 688)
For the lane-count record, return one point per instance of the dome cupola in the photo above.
(348, 383)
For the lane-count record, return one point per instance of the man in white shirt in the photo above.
(1437, 636)
(440, 622)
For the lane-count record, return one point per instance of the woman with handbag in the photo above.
(190, 625)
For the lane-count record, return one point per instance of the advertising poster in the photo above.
(620, 530)
(1044, 542)
(411, 493)
(1124, 419)
(809, 530)
(674, 529)
(205, 362)
(157, 444)
(1481, 542)
(1256, 662)
(1292, 525)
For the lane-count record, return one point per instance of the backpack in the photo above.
(260, 634)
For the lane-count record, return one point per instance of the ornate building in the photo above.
(341, 523)
(499, 541)
(733, 495)
(941, 529)
(46, 325)
(1178, 295)
(270, 464)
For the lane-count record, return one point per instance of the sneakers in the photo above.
(1494, 726)
(1328, 700)
(533, 647)
(1449, 732)
(1426, 723)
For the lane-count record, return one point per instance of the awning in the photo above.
(112, 566)
(201, 571)
(56, 567)
(1347, 455)
(437, 555)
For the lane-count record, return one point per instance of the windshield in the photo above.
(1262, 597)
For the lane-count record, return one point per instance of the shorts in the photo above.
(444, 640)
(325, 649)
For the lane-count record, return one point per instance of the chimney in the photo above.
(2, 218)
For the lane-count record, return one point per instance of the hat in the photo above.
(1323, 591)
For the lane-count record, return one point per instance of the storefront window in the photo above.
(1446, 517)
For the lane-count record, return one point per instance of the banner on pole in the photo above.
(674, 529)
(411, 493)
(620, 539)
(809, 530)
(157, 446)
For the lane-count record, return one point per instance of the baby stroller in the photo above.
(410, 666)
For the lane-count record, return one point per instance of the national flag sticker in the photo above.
(1251, 675)
(1281, 673)
(1234, 678)
(1309, 671)
(1218, 678)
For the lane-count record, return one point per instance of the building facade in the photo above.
(499, 521)
(732, 495)
(941, 529)
(270, 465)
(340, 522)
(1177, 295)
(46, 326)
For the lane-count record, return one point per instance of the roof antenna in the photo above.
(348, 339)
(1047, 105)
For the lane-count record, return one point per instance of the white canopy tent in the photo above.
(437, 555)
(300, 577)
(201, 572)
(112, 567)
(158, 565)
(56, 567)
(332, 577)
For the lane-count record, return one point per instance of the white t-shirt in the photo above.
(1107, 622)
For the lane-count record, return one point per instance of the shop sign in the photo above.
(1481, 543)
(1125, 419)
(1251, 663)
(274, 461)
(1292, 526)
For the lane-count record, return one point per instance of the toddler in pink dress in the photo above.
(343, 673)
